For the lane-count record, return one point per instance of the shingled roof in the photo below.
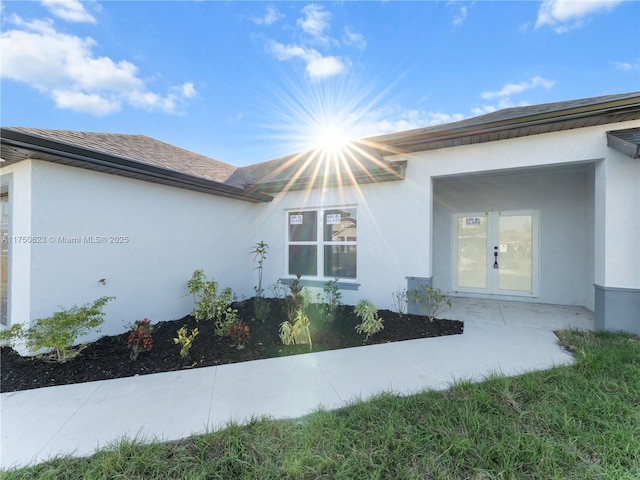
(142, 149)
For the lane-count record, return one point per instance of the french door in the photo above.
(496, 253)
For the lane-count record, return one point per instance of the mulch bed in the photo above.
(109, 358)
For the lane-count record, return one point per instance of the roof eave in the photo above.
(394, 171)
(425, 139)
(66, 154)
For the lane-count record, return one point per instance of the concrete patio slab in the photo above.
(499, 337)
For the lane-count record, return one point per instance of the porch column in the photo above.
(617, 243)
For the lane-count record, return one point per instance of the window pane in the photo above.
(340, 225)
(303, 260)
(303, 226)
(340, 261)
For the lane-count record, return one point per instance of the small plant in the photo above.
(332, 298)
(261, 308)
(140, 339)
(204, 294)
(185, 340)
(224, 321)
(431, 300)
(295, 300)
(400, 301)
(58, 334)
(279, 289)
(209, 304)
(239, 333)
(260, 255)
(296, 332)
(368, 313)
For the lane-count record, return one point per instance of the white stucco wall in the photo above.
(18, 179)
(171, 232)
(617, 247)
(392, 237)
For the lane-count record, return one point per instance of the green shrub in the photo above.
(368, 313)
(332, 298)
(185, 340)
(296, 332)
(208, 303)
(261, 308)
(58, 334)
(431, 300)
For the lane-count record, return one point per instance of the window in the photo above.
(323, 242)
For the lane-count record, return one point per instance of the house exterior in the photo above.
(534, 204)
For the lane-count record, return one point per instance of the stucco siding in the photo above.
(393, 234)
(156, 236)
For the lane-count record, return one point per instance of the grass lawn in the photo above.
(580, 421)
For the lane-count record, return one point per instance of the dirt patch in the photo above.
(109, 356)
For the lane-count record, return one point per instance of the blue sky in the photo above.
(245, 82)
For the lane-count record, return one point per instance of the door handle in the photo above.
(495, 257)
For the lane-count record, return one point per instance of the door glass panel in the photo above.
(515, 243)
(472, 252)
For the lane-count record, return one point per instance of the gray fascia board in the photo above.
(630, 149)
(91, 158)
(495, 126)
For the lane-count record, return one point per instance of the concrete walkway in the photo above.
(505, 337)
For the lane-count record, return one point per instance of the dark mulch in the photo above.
(109, 356)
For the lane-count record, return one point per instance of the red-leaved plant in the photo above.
(140, 339)
(239, 333)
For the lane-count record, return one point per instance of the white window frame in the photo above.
(320, 243)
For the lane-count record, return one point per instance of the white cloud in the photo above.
(315, 21)
(627, 67)
(188, 90)
(70, 10)
(317, 65)
(396, 119)
(460, 17)
(515, 88)
(270, 17)
(354, 38)
(64, 67)
(82, 102)
(565, 15)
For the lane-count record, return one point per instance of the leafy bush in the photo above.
(211, 305)
(239, 333)
(261, 308)
(185, 340)
(400, 301)
(368, 313)
(431, 300)
(140, 339)
(58, 334)
(204, 294)
(296, 332)
(332, 298)
(224, 321)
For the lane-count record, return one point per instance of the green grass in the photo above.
(580, 421)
